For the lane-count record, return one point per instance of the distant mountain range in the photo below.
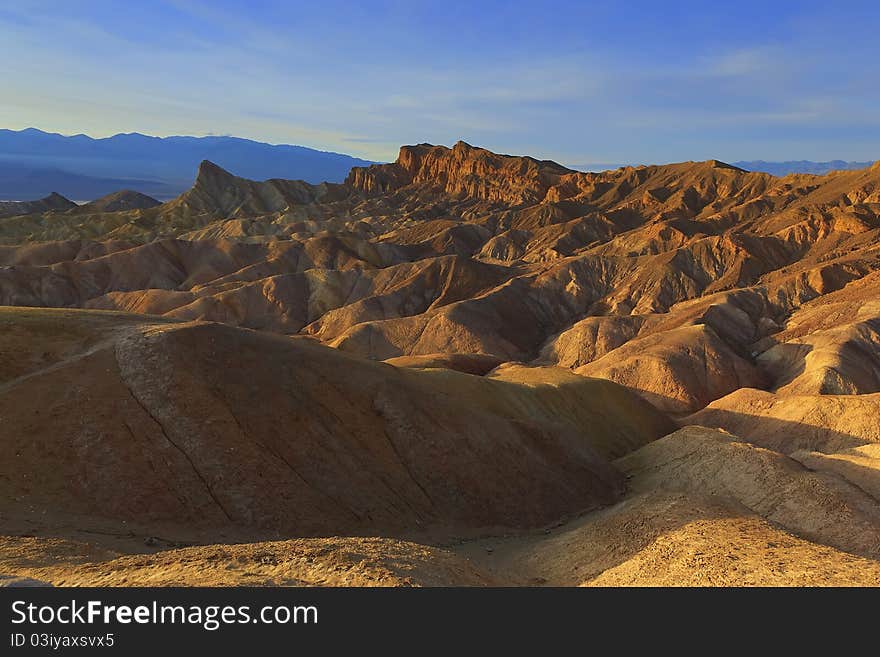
(800, 166)
(34, 163)
(773, 168)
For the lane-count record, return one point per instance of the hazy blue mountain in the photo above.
(24, 182)
(34, 163)
(800, 166)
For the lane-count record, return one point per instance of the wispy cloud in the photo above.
(581, 85)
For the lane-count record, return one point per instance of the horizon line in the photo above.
(606, 165)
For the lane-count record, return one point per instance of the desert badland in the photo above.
(460, 368)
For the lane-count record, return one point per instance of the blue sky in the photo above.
(578, 82)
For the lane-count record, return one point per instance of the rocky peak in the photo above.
(465, 171)
(126, 199)
(221, 193)
(718, 164)
(56, 200)
(53, 202)
(211, 174)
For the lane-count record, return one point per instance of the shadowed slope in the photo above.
(211, 426)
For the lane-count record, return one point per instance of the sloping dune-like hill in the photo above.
(451, 353)
(221, 427)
